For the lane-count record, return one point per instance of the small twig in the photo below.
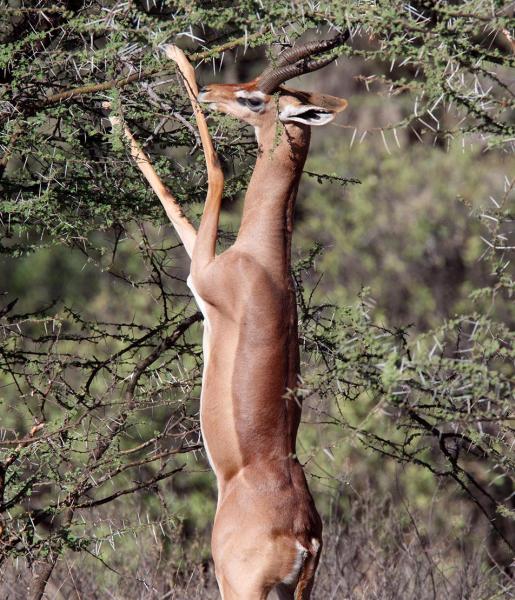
(160, 103)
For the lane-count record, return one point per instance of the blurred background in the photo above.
(401, 256)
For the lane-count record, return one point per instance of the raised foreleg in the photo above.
(209, 223)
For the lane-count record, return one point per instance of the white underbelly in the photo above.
(205, 351)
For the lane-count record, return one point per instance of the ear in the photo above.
(316, 109)
(307, 114)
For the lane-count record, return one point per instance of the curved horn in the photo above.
(292, 55)
(291, 64)
(282, 74)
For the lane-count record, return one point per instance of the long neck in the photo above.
(267, 220)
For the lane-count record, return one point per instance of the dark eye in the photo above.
(254, 102)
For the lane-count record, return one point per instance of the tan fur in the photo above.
(249, 415)
(251, 421)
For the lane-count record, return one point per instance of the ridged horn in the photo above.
(294, 62)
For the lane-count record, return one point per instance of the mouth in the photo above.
(209, 104)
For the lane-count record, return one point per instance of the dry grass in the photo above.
(376, 553)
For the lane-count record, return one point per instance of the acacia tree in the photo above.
(81, 392)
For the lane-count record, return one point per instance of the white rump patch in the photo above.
(297, 565)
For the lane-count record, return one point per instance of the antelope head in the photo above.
(264, 100)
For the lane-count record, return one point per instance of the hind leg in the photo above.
(248, 567)
(240, 588)
(241, 564)
(249, 573)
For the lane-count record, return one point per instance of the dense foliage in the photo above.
(403, 272)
